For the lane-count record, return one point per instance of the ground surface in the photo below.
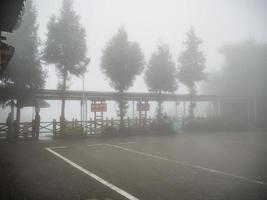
(185, 166)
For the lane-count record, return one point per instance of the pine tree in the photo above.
(121, 62)
(160, 76)
(24, 70)
(191, 67)
(66, 47)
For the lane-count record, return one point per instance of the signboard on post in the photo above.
(99, 107)
(142, 106)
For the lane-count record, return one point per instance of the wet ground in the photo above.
(186, 166)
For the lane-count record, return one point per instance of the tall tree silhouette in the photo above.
(66, 47)
(121, 61)
(24, 70)
(191, 67)
(160, 76)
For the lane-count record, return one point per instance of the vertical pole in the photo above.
(54, 127)
(128, 122)
(86, 108)
(112, 123)
(255, 108)
(81, 111)
(145, 120)
(248, 109)
(176, 110)
(91, 130)
(102, 120)
(140, 118)
(33, 129)
(184, 110)
(12, 110)
(219, 108)
(133, 108)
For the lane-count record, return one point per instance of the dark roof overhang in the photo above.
(10, 14)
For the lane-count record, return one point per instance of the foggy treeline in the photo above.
(242, 74)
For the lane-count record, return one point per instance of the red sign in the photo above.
(98, 107)
(142, 106)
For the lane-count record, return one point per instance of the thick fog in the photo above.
(153, 22)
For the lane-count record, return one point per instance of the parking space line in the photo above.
(191, 165)
(128, 142)
(58, 147)
(94, 176)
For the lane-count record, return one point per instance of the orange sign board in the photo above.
(98, 107)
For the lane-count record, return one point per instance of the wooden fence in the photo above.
(90, 127)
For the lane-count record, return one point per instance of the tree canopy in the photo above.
(121, 61)
(191, 62)
(160, 75)
(24, 70)
(66, 46)
(244, 70)
(66, 42)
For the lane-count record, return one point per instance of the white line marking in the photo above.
(128, 143)
(140, 142)
(191, 165)
(94, 176)
(58, 147)
(95, 145)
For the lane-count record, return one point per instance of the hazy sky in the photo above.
(151, 22)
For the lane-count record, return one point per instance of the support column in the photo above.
(176, 110)
(218, 108)
(184, 110)
(248, 111)
(255, 109)
(133, 109)
(81, 111)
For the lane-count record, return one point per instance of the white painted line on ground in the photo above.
(95, 145)
(128, 142)
(94, 176)
(58, 147)
(191, 165)
(140, 142)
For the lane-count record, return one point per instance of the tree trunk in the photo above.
(121, 109)
(159, 107)
(192, 105)
(12, 110)
(62, 117)
(16, 132)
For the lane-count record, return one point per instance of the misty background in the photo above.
(150, 22)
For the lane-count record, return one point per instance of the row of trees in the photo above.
(121, 62)
(243, 74)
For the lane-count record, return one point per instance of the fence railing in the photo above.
(54, 128)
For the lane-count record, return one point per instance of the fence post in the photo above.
(91, 131)
(128, 122)
(112, 123)
(54, 128)
(106, 122)
(33, 129)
